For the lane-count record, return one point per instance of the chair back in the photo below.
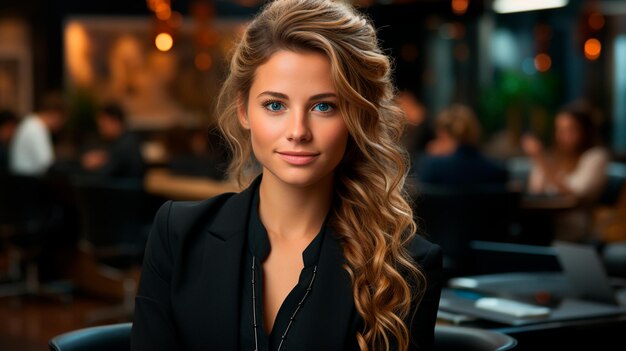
(454, 216)
(28, 207)
(113, 214)
(452, 338)
(616, 178)
(115, 337)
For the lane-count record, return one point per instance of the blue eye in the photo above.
(274, 106)
(323, 107)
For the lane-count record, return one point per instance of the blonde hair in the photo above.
(460, 122)
(371, 215)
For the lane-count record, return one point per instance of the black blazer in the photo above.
(188, 297)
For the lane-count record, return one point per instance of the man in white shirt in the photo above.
(31, 152)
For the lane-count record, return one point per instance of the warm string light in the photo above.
(459, 7)
(164, 42)
(593, 23)
(205, 36)
(543, 62)
(593, 48)
(166, 21)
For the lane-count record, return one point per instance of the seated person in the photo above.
(32, 152)
(122, 158)
(198, 153)
(576, 166)
(8, 124)
(454, 158)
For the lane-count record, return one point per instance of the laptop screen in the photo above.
(585, 272)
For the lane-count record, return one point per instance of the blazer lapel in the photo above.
(221, 271)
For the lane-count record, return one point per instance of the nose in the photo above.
(298, 130)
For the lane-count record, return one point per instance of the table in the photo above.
(599, 330)
(162, 182)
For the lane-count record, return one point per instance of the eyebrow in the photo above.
(285, 97)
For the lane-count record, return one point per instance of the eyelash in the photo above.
(267, 102)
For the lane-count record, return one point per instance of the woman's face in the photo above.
(297, 131)
(568, 135)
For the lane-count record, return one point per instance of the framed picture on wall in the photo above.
(115, 59)
(15, 82)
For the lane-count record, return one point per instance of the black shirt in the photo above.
(258, 245)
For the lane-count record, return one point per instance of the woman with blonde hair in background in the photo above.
(319, 252)
(454, 156)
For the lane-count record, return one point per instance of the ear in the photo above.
(242, 114)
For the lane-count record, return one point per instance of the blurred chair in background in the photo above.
(8, 124)
(449, 338)
(114, 337)
(614, 257)
(31, 222)
(610, 212)
(454, 216)
(116, 218)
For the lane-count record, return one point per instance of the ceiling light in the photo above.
(510, 6)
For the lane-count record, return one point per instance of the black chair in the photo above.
(31, 223)
(116, 216)
(614, 257)
(454, 216)
(115, 337)
(452, 338)
(616, 178)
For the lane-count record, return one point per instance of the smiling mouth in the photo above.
(298, 158)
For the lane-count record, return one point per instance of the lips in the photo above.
(298, 158)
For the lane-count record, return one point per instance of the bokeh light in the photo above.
(593, 48)
(543, 62)
(164, 41)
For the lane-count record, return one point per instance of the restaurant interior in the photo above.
(515, 130)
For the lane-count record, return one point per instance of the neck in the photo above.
(293, 212)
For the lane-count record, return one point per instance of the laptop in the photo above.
(586, 274)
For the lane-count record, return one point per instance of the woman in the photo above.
(319, 252)
(575, 168)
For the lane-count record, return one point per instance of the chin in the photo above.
(298, 177)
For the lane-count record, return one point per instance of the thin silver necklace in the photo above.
(255, 325)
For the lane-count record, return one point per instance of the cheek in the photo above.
(335, 138)
(263, 132)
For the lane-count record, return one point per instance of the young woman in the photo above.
(575, 167)
(319, 252)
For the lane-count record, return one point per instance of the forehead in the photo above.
(294, 73)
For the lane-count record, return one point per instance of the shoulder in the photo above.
(425, 253)
(182, 215)
(30, 124)
(596, 153)
(223, 215)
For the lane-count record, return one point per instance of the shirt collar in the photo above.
(259, 243)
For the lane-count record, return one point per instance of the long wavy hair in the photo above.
(371, 213)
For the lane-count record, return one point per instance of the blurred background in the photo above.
(516, 130)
